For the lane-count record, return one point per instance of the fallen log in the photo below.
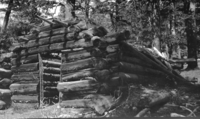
(77, 65)
(25, 98)
(24, 60)
(5, 73)
(27, 76)
(5, 93)
(99, 103)
(51, 70)
(23, 89)
(25, 68)
(77, 75)
(51, 77)
(76, 86)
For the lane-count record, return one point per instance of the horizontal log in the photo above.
(99, 103)
(51, 77)
(76, 86)
(77, 65)
(25, 67)
(24, 60)
(77, 75)
(52, 32)
(47, 63)
(28, 37)
(51, 70)
(49, 40)
(57, 47)
(5, 83)
(72, 56)
(5, 93)
(5, 73)
(25, 76)
(23, 89)
(77, 95)
(2, 105)
(25, 98)
(49, 27)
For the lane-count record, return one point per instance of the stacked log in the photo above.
(5, 81)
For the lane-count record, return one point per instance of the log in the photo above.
(49, 27)
(53, 32)
(77, 95)
(51, 70)
(72, 56)
(25, 98)
(5, 83)
(23, 89)
(5, 73)
(77, 65)
(76, 86)
(28, 37)
(99, 103)
(179, 79)
(25, 68)
(49, 22)
(112, 48)
(24, 60)
(25, 76)
(5, 93)
(47, 63)
(2, 105)
(51, 77)
(77, 75)
(66, 24)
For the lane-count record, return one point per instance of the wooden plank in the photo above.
(76, 86)
(51, 70)
(77, 65)
(23, 89)
(41, 88)
(51, 63)
(5, 73)
(51, 77)
(25, 67)
(25, 98)
(77, 75)
(25, 76)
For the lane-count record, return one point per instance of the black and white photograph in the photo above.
(99, 59)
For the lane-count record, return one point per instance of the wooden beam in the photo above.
(77, 65)
(41, 88)
(25, 76)
(23, 89)
(25, 98)
(25, 67)
(51, 63)
(76, 86)
(51, 70)
(51, 77)
(24, 60)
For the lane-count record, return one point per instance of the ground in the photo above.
(189, 102)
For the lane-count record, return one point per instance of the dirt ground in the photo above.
(189, 102)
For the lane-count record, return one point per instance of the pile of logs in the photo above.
(5, 81)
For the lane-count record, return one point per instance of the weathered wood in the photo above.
(52, 32)
(97, 102)
(182, 60)
(24, 60)
(134, 52)
(72, 56)
(5, 93)
(41, 85)
(25, 76)
(102, 75)
(5, 73)
(49, 27)
(66, 24)
(23, 89)
(51, 70)
(51, 77)
(76, 86)
(25, 67)
(77, 65)
(2, 105)
(77, 94)
(5, 83)
(25, 98)
(112, 48)
(49, 22)
(77, 75)
(47, 63)
(28, 37)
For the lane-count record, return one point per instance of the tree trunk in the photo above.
(70, 9)
(7, 15)
(191, 36)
